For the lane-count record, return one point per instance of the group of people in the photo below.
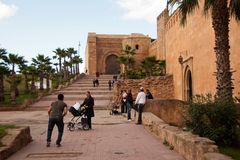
(127, 102)
(95, 82)
(58, 110)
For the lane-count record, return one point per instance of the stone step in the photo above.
(100, 78)
(87, 85)
(45, 108)
(86, 88)
(70, 103)
(76, 97)
(69, 92)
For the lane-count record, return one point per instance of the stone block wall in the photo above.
(170, 111)
(161, 87)
(16, 139)
(191, 147)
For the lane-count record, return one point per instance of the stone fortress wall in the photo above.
(194, 43)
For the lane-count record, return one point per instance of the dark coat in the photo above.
(149, 95)
(129, 99)
(89, 102)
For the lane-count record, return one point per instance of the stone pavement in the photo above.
(112, 138)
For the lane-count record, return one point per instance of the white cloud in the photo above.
(6, 10)
(142, 9)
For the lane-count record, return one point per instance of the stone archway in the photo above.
(188, 89)
(112, 66)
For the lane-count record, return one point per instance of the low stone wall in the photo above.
(191, 147)
(171, 111)
(161, 87)
(14, 141)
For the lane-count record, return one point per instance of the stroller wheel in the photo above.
(70, 126)
(85, 127)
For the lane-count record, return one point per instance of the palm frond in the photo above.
(187, 7)
(235, 9)
(208, 5)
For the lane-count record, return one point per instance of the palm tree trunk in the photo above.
(48, 84)
(13, 89)
(26, 83)
(74, 70)
(33, 84)
(1, 88)
(56, 69)
(41, 81)
(220, 23)
(65, 71)
(60, 64)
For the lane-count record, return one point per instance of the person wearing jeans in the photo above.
(56, 112)
(140, 102)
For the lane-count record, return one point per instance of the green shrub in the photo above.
(214, 119)
(135, 74)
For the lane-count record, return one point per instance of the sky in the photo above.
(31, 27)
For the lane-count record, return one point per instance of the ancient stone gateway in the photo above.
(102, 51)
(111, 65)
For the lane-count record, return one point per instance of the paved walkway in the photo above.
(112, 138)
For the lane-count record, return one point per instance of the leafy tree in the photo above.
(126, 58)
(152, 66)
(220, 14)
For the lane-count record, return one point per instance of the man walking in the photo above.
(89, 102)
(140, 102)
(56, 112)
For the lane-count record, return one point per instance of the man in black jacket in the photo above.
(89, 102)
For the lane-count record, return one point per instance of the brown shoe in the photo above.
(59, 145)
(48, 144)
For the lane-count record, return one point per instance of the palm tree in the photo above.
(220, 14)
(152, 66)
(3, 71)
(24, 69)
(77, 60)
(49, 72)
(59, 53)
(127, 58)
(33, 71)
(70, 52)
(41, 62)
(13, 60)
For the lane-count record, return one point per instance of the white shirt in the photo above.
(141, 98)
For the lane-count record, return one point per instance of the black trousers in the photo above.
(89, 121)
(140, 108)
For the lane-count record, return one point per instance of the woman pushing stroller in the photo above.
(89, 103)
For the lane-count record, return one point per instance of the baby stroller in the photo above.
(114, 106)
(77, 114)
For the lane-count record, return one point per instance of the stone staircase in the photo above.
(77, 92)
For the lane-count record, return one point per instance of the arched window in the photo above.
(136, 46)
(188, 92)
